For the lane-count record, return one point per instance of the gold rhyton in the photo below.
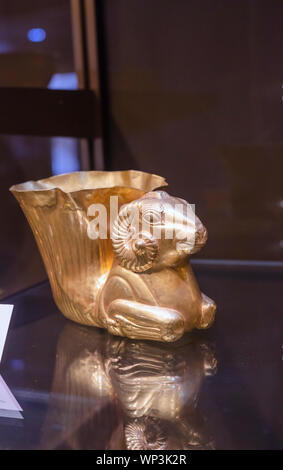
(116, 250)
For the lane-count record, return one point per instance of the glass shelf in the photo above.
(81, 388)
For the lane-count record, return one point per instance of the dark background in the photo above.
(195, 94)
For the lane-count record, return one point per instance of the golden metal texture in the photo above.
(143, 395)
(132, 283)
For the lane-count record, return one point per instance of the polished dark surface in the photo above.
(222, 388)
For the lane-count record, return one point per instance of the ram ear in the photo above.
(182, 200)
(155, 195)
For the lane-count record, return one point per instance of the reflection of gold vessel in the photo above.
(148, 291)
(158, 388)
(116, 393)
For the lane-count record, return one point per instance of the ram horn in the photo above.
(135, 250)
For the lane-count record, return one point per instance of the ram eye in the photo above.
(152, 217)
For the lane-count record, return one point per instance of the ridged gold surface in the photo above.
(56, 209)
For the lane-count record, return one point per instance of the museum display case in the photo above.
(98, 97)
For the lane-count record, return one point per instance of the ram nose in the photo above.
(200, 238)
